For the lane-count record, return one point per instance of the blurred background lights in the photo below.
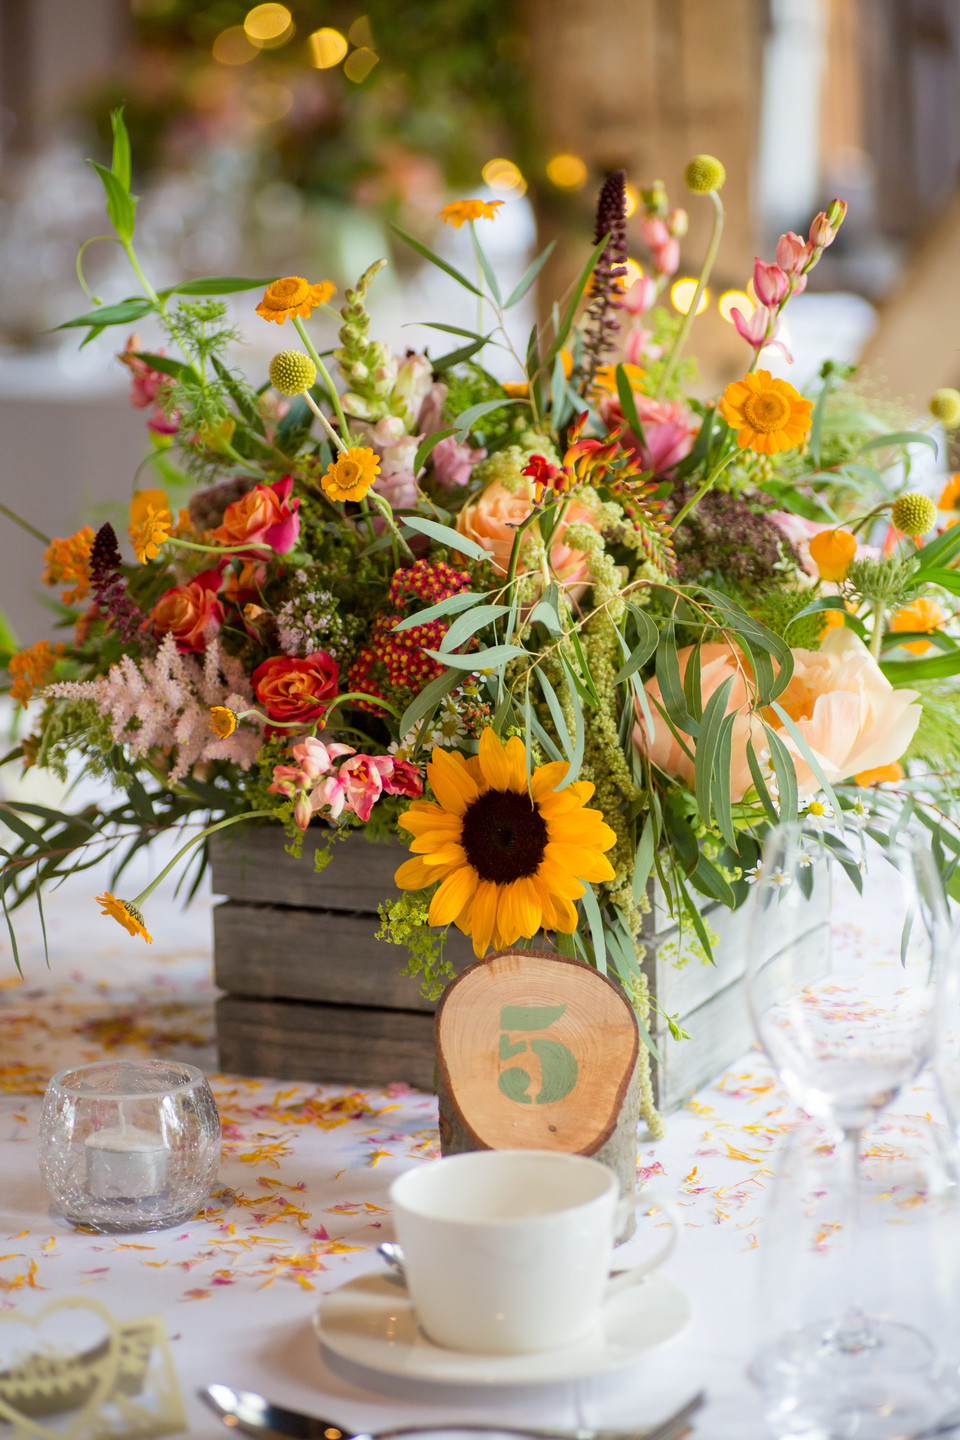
(269, 25)
(234, 47)
(634, 272)
(359, 63)
(504, 176)
(567, 172)
(632, 196)
(360, 33)
(682, 293)
(327, 48)
(735, 300)
(269, 101)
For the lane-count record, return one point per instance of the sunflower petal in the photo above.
(425, 815)
(450, 781)
(413, 875)
(445, 855)
(484, 916)
(546, 778)
(430, 840)
(454, 893)
(504, 766)
(584, 864)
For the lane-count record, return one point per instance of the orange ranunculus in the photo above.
(293, 689)
(191, 613)
(264, 517)
(293, 296)
(848, 713)
(490, 519)
(879, 774)
(831, 551)
(922, 614)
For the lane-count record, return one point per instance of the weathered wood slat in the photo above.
(250, 863)
(344, 1044)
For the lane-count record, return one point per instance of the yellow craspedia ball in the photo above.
(703, 174)
(292, 372)
(945, 407)
(913, 513)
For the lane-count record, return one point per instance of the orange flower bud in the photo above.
(831, 551)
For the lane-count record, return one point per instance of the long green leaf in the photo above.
(641, 652)
(627, 403)
(807, 754)
(457, 357)
(816, 421)
(935, 575)
(120, 314)
(785, 772)
(580, 734)
(566, 324)
(426, 447)
(435, 260)
(556, 713)
(760, 784)
(446, 535)
(707, 741)
(528, 277)
(595, 920)
(488, 271)
(167, 365)
(219, 285)
(643, 860)
(453, 604)
(490, 659)
(901, 437)
(121, 148)
(467, 625)
(427, 701)
(720, 782)
(671, 685)
(476, 412)
(121, 206)
(933, 667)
(940, 551)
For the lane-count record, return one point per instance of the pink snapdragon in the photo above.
(453, 462)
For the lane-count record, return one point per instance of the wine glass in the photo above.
(846, 943)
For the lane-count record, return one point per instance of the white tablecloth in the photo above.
(303, 1200)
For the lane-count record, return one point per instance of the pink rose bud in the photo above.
(654, 231)
(770, 282)
(792, 252)
(678, 223)
(666, 258)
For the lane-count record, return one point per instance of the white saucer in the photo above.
(370, 1321)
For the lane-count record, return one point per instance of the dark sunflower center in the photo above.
(504, 836)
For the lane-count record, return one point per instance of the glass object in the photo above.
(129, 1144)
(847, 933)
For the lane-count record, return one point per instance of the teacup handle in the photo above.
(639, 1272)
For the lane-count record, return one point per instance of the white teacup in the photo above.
(508, 1251)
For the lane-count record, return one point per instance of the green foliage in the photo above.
(776, 608)
(404, 922)
(468, 385)
(937, 739)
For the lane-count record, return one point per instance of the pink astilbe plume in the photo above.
(167, 699)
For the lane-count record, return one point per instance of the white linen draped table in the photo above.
(302, 1198)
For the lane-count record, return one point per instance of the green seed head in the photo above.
(292, 372)
(945, 407)
(913, 513)
(703, 174)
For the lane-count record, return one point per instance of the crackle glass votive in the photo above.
(129, 1144)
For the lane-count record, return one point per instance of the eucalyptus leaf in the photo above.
(435, 260)
(446, 535)
(595, 921)
(467, 625)
(528, 277)
(490, 659)
(463, 600)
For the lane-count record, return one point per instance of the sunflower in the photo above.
(460, 210)
(126, 914)
(768, 415)
(510, 859)
(350, 476)
(293, 296)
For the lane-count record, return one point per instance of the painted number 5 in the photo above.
(557, 1064)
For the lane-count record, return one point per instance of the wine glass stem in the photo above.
(852, 1332)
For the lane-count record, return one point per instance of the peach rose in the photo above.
(491, 518)
(264, 516)
(850, 716)
(191, 613)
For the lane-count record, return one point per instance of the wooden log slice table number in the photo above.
(538, 1051)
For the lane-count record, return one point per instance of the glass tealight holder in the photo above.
(129, 1144)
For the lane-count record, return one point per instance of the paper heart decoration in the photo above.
(96, 1373)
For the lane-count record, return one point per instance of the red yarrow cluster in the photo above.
(396, 661)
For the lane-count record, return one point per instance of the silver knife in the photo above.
(254, 1414)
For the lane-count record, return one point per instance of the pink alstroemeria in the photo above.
(362, 779)
(639, 297)
(315, 758)
(760, 330)
(770, 282)
(793, 252)
(405, 779)
(330, 792)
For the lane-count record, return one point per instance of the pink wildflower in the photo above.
(793, 252)
(404, 780)
(362, 779)
(640, 296)
(770, 282)
(453, 463)
(760, 330)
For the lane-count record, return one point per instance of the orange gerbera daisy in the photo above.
(459, 211)
(510, 857)
(293, 296)
(126, 914)
(768, 415)
(923, 614)
(350, 476)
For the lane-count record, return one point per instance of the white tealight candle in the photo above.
(126, 1163)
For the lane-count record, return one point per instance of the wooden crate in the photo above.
(312, 995)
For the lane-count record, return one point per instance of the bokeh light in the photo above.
(269, 25)
(632, 198)
(732, 300)
(234, 47)
(567, 172)
(269, 101)
(359, 63)
(360, 33)
(327, 48)
(682, 293)
(634, 272)
(504, 176)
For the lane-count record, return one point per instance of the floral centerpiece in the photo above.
(559, 634)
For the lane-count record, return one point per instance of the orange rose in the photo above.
(265, 516)
(491, 519)
(292, 689)
(191, 613)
